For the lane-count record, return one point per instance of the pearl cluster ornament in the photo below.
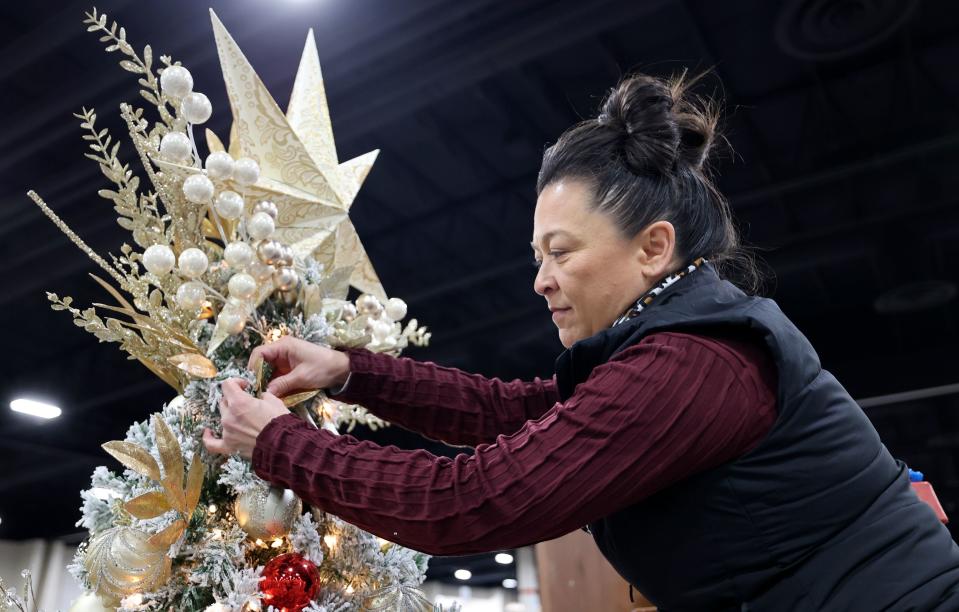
(238, 255)
(229, 205)
(269, 251)
(369, 305)
(175, 147)
(285, 279)
(260, 226)
(193, 263)
(196, 108)
(198, 188)
(176, 82)
(246, 171)
(219, 165)
(159, 259)
(267, 207)
(190, 295)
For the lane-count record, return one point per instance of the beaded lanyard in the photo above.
(650, 295)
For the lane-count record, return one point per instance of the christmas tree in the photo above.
(242, 247)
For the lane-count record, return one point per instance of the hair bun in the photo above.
(661, 123)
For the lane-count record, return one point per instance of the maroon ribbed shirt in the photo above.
(660, 411)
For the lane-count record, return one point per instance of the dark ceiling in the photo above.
(844, 118)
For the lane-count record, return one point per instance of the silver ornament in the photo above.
(267, 207)
(267, 513)
(268, 251)
(120, 561)
(285, 279)
(286, 256)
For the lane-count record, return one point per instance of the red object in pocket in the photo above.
(924, 490)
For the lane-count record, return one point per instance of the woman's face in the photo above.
(589, 272)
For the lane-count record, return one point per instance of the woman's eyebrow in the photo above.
(548, 235)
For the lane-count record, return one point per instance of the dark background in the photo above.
(843, 115)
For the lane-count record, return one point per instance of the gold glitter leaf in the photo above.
(298, 398)
(171, 457)
(134, 457)
(165, 539)
(194, 364)
(259, 374)
(194, 484)
(149, 505)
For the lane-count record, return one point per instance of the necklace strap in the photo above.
(644, 301)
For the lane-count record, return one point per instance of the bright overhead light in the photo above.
(34, 408)
(509, 583)
(504, 558)
(463, 574)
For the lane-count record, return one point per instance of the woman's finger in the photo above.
(213, 444)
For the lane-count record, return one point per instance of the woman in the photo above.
(693, 430)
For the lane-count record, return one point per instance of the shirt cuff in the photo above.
(266, 442)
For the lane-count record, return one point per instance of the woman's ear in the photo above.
(655, 248)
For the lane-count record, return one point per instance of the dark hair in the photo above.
(646, 158)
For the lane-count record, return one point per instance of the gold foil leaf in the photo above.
(194, 364)
(165, 539)
(171, 457)
(213, 142)
(149, 505)
(194, 484)
(299, 398)
(134, 457)
(258, 367)
(206, 310)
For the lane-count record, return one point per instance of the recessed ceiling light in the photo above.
(35, 408)
(463, 574)
(504, 558)
(509, 583)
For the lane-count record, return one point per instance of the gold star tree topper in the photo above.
(299, 168)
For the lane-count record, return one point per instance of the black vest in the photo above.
(818, 516)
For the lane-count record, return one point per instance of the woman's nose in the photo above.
(543, 283)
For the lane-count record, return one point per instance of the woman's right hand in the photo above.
(299, 365)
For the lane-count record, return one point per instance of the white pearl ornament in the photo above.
(260, 226)
(190, 295)
(196, 108)
(198, 188)
(242, 286)
(396, 309)
(159, 259)
(193, 263)
(232, 322)
(246, 171)
(238, 255)
(262, 272)
(176, 82)
(175, 147)
(229, 205)
(219, 165)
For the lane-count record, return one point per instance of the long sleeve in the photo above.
(444, 403)
(660, 411)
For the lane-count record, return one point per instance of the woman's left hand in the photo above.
(243, 417)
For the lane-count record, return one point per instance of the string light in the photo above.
(330, 541)
(211, 509)
(277, 543)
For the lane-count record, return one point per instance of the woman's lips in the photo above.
(559, 313)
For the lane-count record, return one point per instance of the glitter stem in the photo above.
(63, 227)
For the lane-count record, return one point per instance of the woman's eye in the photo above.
(555, 254)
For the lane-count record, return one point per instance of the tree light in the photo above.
(504, 558)
(35, 408)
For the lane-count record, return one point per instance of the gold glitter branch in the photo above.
(76, 239)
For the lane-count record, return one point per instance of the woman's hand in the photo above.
(243, 417)
(299, 365)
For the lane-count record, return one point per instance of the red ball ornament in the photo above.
(290, 582)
